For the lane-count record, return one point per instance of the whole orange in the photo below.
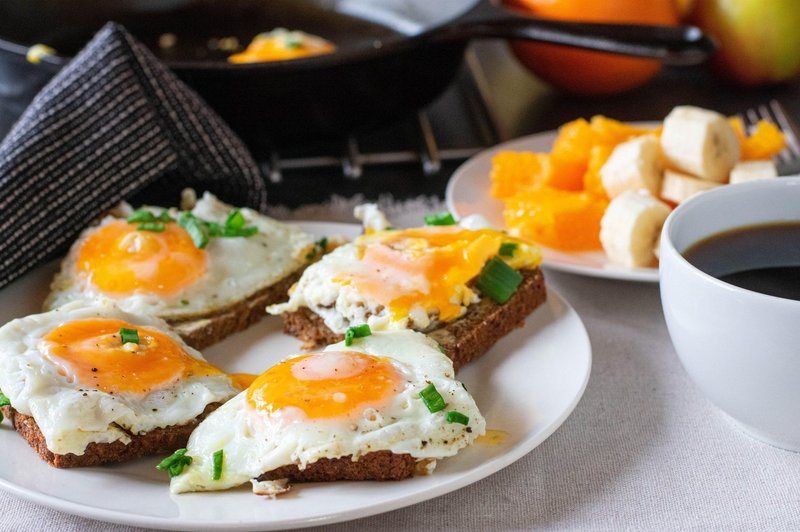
(587, 72)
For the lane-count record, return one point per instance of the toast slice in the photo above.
(377, 465)
(201, 332)
(155, 442)
(464, 339)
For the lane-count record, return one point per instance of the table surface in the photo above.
(643, 449)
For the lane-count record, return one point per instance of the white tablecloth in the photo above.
(643, 450)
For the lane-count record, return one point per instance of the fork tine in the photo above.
(752, 117)
(788, 126)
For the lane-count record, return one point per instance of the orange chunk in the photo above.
(560, 219)
(515, 171)
(570, 155)
(764, 142)
(592, 182)
(738, 126)
(613, 132)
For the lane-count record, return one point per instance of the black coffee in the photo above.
(762, 258)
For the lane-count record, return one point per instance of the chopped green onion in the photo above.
(239, 231)
(498, 280)
(195, 228)
(155, 227)
(233, 227)
(432, 398)
(359, 331)
(129, 336)
(176, 468)
(184, 301)
(292, 43)
(174, 463)
(441, 349)
(457, 417)
(4, 401)
(200, 230)
(507, 249)
(141, 215)
(218, 457)
(213, 228)
(320, 245)
(235, 220)
(441, 218)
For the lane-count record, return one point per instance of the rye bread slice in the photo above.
(203, 331)
(377, 465)
(156, 442)
(464, 339)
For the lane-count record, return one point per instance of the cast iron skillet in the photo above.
(394, 56)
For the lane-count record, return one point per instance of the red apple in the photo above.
(759, 40)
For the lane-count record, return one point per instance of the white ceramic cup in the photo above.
(742, 348)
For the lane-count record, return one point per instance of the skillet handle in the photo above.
(672, 45)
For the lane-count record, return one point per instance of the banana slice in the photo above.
(752, 171)
(678, 187)
(632, 165)
(700, 142)
(630, 228)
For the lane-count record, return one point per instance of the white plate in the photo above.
(526, 386)
(468, 193)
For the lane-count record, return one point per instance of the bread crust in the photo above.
(464, 339)
(377, 465)
(158, 441)
(203, 331)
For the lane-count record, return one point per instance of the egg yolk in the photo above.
(427, 266)
(91, 352)
(326, 385)
(119, 260)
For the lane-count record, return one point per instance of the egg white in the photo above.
(237, 267)
(254, 442)
(71, 415)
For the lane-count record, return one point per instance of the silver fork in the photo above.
(787, 161)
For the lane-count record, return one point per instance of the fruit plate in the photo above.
(468, 193)
(526, 386)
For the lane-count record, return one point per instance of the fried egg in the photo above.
(82, 381)
(281, 44)
(343, 401)
(408, 278)
(164, 273)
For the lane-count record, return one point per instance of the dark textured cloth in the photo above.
(114, 124)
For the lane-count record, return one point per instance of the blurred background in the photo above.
(506, 89)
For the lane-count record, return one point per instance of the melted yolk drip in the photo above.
(493, 438)
(429, 267)
(120, 259)
(242, 380)
(326, 385)
(91, 353)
